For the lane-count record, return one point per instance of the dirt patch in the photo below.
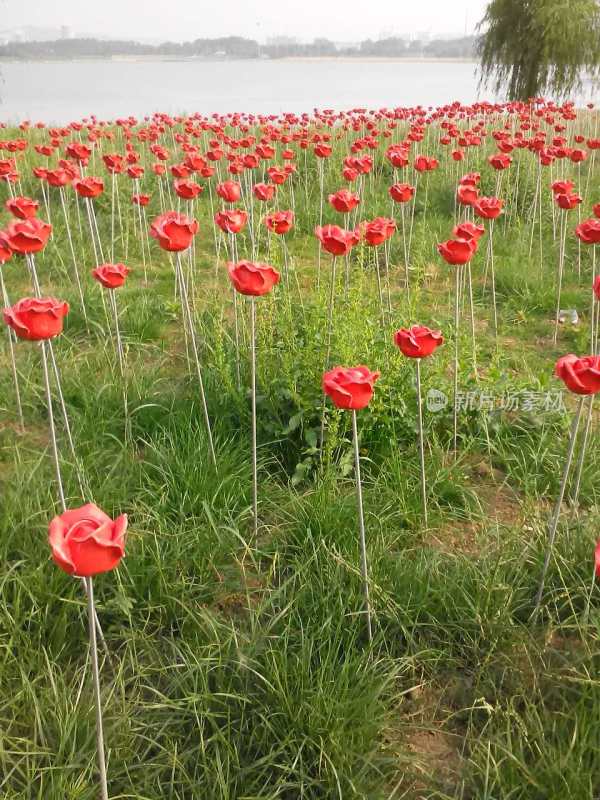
(499, 504)
(429, 754)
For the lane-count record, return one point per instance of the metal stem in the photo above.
(493, 276)
(73, 257)
(361, 525)
(456, 352)
(55, 456)
(96, 678)
(421, 442)
(188, 315)
(582, 452)
(13, 361)
(253, 392)
(555, 517)
(472, 315)
(561, 264)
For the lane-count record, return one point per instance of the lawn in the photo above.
(239, 666)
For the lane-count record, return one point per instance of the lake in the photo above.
(60, 91)
(65, 90)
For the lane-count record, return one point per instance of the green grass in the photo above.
(239, 666)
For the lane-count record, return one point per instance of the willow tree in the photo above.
(530, 48)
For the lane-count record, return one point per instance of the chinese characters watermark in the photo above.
(480, 400)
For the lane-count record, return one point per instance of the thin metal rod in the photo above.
(253, 393)
(97, 698)
(63, 406)
(561, 266)
(582, 452)
(421, 442)
(59, 483)
(493, 276)
(361, 525)
(121, 357)
(556, 515)
(13, 362)
(74, 258)
(456, 352)
(188, 315)
(472, 315)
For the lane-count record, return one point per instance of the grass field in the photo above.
(239, 665)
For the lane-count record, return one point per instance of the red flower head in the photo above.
(458, 251)
(36, 318)
(140, 199)
(7, 166)
(488, 207)
(595, 286)
(418, 341)
(588, 231)
(467, 194)
(27, 236)
(85, 541)
(22, 207)
(379, 230)
(264, 191)
(5, 251)
(344, 201)
(186, 189)
(194, 162)
(580, 375)
(335, 240)
(111, 276)
(500, 161)
(252, 278)
(78, 152)
(350, 387)
(562, 187)
(577, 156)
(230, 191)
(470, 179)
(397, 156)
(280, 221)
(425, 164)
(113, 162)
(322, 150)
(568, 201)
(232, 221)
(401, 192)
(278, 176)
(597, 559)
(180, 171)
(174, 232)
(88, 187)
(596, 210)
(58, 177)
(469, 230)
(350, 174)
(135, 171)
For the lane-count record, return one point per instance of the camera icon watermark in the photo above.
(436, 401)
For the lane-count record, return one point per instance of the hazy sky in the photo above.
(340, 20)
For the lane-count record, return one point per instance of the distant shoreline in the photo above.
(378, 59)
(202, 59)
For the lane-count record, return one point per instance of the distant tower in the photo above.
(65, 32)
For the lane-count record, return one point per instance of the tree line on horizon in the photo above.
(240, 47)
